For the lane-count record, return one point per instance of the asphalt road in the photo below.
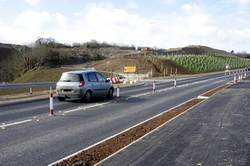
(26, 110)
(217, 132)
(46, 139)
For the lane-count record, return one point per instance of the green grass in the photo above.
(207, 63)
(21, 91)
(41, 75)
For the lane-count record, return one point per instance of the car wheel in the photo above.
(88, 96)
(110, 93)
(61, 98)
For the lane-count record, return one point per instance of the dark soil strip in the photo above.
(103, 150)
(216, 90)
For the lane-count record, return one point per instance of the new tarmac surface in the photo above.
(217, 132)
(78, 125)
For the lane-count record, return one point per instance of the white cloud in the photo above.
(31, 24)
(32, 2)
(188, 25)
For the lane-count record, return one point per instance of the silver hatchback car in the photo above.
(83, 84)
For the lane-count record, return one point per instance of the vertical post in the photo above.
(235, 81)
(118, 91)
(51, 104)
(31, 91)
(153, 86)
(175, 82)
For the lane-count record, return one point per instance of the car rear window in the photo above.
(70, 77)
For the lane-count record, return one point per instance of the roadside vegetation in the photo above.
(207, 63)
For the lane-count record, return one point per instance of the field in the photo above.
(207, 63)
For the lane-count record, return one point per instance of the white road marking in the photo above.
(84, 108)
(3, 126)
(202, 97)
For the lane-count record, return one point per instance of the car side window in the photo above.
(100, 77)
(92, 77)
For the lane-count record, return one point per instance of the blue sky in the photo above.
(221, 24)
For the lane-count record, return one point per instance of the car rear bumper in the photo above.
(79, 93)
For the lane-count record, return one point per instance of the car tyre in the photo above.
(88, 96)
(110, 93)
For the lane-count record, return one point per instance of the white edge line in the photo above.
(78, 152)
(202, 97)
(151, 132)
(16, 123)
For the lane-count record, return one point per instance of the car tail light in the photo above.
(81, 84)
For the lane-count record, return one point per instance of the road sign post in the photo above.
(153, 86)
(118, 91)
(51, 104)
(31, 91)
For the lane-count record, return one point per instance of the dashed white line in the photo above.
(84, 108)
(3, 126)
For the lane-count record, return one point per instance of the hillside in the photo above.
(44, 54)
(144, 65)
(195, 49)
(9, 60)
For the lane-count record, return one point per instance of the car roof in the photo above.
(80, 71)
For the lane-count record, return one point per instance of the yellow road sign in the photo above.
(129, 69)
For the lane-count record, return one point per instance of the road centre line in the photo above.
(3, 126)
